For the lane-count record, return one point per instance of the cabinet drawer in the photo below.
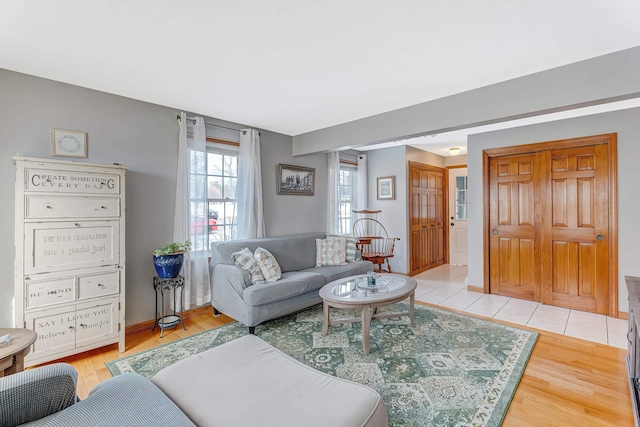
(98, 285)
(65, 207)
(96, 321)
(47, 292)
(62, 181)
(56, 329)
(59, 246)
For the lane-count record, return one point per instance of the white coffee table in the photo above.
(343, 293)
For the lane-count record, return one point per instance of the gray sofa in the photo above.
(242, 383)
(233, 294)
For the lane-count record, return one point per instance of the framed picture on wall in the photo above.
(69, 143)
(386, 186)
(296, 180)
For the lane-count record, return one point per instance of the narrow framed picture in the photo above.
(386, 186)
(296, 180)
(69, 143)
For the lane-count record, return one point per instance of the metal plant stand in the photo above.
(166, 320)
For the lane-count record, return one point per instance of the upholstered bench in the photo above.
(247, 382)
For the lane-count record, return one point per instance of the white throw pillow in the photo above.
(351, 252)
(268, 265)
(330, 251)
(244, 259)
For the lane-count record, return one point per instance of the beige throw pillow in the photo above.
(244, 259)
(268, 265)
(351, 252)
(330, 251)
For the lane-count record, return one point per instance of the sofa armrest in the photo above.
(230, 276)
(36, 393)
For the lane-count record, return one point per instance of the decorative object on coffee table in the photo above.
(12, 356)
(350, 294)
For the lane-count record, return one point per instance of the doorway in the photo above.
(551, 223)
(427, 187)
(458, 241)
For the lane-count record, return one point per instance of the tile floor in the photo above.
(444, 286)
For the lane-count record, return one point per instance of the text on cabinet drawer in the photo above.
(59, 181)
(46, 292)
(59, 246)
(65, 207)
(98, 285)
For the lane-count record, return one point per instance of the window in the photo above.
(218, 170)
(346, 199)
(461, 197)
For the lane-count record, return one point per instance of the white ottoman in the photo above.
(247, 382)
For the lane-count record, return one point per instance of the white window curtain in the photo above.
(191, 207)
(362, 200)
(333, 175)
(249, 190)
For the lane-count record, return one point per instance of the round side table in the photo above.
(166, 320)
(12, 356)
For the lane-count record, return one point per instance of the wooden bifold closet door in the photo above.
(549, 227)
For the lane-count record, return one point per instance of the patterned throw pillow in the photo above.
(330, 251)
(268, 265)
(351, 248)
(244, 259)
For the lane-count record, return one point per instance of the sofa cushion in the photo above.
(330, 251)
(336, 272)
(247, 382)
(292, 284)
(293, 253)
(245, 260)
(268, 265)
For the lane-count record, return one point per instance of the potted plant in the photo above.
(168, 259)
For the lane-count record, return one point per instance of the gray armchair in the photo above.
(46, 396)
(33, 394)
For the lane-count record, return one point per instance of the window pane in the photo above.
(216, 209)
(461, 212)
(230, 188)
(461, 182)
(461, 197)
(214, 189)
(214, 164)
(230, 166)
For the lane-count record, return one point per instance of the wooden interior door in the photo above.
(513, 240)
(426, 219)
(575, 250)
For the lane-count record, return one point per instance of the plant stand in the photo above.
(166, 320)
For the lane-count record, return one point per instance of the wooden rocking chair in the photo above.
(374, 242)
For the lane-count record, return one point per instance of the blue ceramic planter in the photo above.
(168, 266)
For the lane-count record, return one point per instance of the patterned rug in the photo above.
(449, 370)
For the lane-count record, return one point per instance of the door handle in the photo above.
(452, 224)
(600, 237)
(494, 231)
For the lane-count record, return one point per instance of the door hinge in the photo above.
(119, 308)
(119, 327)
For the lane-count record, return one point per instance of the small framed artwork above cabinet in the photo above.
(70, 256)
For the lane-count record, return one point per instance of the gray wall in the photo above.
(144, 137)
(627, 125)
(594, 81)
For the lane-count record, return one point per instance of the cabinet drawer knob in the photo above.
(49, 207)
(100, 285)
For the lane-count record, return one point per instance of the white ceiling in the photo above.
(294, 66)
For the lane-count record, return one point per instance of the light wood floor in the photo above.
(567, 382)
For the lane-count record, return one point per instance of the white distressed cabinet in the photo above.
(70, 256)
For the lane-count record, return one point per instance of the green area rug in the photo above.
(448, 370)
